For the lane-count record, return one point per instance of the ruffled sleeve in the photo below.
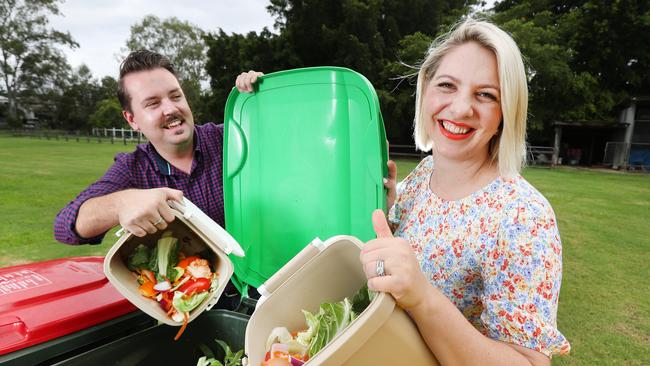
(522, 274)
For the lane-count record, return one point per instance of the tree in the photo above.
(585, 58)
(363, 35)
(107, 114)
(229, 55)
(29, 61)
(76, 101)
(183, 43)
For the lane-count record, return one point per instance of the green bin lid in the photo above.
(305, 156)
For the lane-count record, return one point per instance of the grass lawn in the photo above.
(603, 216)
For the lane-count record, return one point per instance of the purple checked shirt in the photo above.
(145, 168)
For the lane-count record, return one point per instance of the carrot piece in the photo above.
(180, 331)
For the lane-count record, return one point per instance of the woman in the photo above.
(476, 257)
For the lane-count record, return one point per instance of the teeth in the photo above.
(173, 124)
(454, 128)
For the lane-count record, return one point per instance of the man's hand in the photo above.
(246, 80)
(146, 211)
(139, 211)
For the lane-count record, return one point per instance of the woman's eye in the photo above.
(487, 96)
(445, 85)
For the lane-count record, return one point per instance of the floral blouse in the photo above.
(496, 254)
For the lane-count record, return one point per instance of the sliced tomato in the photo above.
(148, 275)
(195, 285)
(166, 301)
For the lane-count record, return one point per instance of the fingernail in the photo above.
(385, 180)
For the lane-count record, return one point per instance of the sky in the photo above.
(101, 27)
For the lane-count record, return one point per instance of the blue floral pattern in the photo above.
(496, 254)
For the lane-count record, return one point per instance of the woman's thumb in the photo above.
(380, 225)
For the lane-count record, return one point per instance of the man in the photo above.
(180, 159)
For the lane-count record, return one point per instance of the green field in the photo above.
(604, 220)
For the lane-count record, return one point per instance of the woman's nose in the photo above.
(462, 107)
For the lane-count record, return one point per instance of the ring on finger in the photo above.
(379, 268)
(158, 221)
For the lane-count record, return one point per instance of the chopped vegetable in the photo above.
(162, 286)
(199, 268)
(322, 327)
(230, 359)
(179, 283)
(180, 331)
(139, 259)
(195, 285)
(183, 304)
(167, 254)
(183, 263)
(146, 289)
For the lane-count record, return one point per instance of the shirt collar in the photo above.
(163, 165)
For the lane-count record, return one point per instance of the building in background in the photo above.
(624, 144)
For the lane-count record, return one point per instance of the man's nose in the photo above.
(462, 106)
(169, 107)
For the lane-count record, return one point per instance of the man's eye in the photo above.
(151, 104)
(176, 96)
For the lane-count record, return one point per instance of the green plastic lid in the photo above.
(305, 156)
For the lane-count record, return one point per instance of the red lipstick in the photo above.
(455, 136)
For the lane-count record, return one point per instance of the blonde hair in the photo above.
(508, 147)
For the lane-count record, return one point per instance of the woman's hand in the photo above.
(246, 80)
(390, 183)
(403, 277)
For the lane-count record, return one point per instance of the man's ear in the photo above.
(128, 116)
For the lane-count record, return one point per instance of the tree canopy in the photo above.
(585, 59)
(30, 63)
(183, 43)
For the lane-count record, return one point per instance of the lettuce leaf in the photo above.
(167, 255)
(362, 299)
(332, 319)
(183, 305)
(139, 258)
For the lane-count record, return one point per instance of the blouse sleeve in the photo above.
(522, 276)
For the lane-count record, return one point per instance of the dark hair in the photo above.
(140, 60)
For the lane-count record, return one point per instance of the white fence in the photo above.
(119, 133)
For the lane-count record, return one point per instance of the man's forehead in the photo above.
(150, 82)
